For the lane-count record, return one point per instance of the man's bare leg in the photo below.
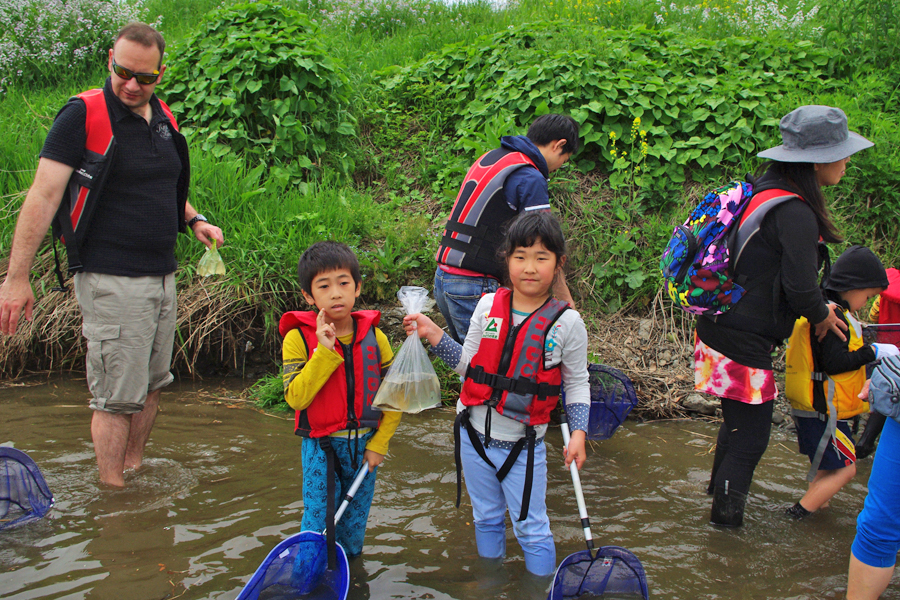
(110, 434)
(141, 425)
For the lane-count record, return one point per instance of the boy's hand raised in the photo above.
(425, 327)
(325, 331)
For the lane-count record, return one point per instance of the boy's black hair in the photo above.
(549, 128)
(531, 226)
(322, 257)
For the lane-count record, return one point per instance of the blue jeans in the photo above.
(491, 499)
(457, 296)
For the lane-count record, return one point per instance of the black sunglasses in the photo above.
(142, 78)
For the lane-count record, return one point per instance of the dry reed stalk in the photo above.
(215, 319)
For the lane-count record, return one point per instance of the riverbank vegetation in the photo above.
(356, 119)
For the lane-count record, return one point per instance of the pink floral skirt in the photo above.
(718, 375)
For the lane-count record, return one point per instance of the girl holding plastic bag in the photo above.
(522, 346)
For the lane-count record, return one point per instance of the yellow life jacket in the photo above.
(799, 380)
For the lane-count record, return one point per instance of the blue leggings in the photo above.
(351, 530)
(491, 499)
(878, 525)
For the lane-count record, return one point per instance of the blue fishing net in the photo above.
(297, 568)
(612, 572)
(24, 494)
(612, 398)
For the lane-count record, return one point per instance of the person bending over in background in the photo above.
(500, 185)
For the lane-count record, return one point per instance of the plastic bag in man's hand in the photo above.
(411, 384)
(211, 263)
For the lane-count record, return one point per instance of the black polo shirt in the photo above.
(134, 228)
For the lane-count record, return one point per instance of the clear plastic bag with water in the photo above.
(211, 263)
(411, 385)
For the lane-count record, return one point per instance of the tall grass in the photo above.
(391, 210)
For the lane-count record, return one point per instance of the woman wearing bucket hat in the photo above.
(779, 267)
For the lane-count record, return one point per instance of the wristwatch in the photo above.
(199, 217)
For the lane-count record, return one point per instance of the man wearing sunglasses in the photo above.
(132, 193)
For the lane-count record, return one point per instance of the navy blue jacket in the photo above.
(526, 188)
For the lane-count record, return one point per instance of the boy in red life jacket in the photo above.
(823, 380)
(334, 359)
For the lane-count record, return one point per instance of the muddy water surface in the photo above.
(221, 487)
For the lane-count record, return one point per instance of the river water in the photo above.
(221, 487)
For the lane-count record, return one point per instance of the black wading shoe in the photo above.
(727, 507)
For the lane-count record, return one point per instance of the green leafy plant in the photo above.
(268, 393)
(866, 34)
(624, 266)
(254, 79)
(385, 267)
(701, 102)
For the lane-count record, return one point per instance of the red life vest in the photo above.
(73, 217)
(526, 391)
(889, 308)
(471, 240)
(349, 392)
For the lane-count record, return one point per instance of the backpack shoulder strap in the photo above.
(169, 114)
(97, 123)
(752, 218)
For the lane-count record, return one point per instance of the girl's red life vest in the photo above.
(345, 401)
(508, 371)
(471, 238)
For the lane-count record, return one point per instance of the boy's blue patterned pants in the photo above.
(352, 528)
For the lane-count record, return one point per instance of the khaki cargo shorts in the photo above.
(129, 324)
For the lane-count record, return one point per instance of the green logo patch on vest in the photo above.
(492, 329)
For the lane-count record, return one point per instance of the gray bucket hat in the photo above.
(815, 134)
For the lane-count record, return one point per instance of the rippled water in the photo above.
(221, 487)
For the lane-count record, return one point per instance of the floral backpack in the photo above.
(698, 262)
